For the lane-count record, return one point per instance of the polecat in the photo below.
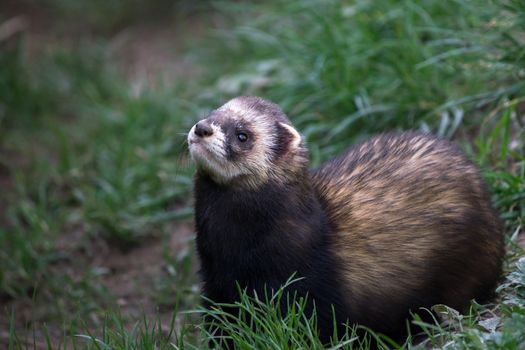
(399, 222)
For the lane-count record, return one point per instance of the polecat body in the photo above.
(396, 223)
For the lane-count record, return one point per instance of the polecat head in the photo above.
(248, 142)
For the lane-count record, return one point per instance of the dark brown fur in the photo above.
(399, 222)
(414, 227)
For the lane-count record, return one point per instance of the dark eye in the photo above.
(242, 136)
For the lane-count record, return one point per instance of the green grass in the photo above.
(108, 164)
(345, 71)
(93, 163)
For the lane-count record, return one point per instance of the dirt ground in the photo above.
(148, 54)
(128, 277)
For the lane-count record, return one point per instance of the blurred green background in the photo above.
(96, 97)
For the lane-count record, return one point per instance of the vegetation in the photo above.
(92, 167)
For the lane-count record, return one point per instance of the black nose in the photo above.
(203, 129)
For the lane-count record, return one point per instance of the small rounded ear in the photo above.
(292, 137)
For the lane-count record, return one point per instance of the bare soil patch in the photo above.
(148, 54)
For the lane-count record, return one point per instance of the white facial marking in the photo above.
(235, 106)
(191, 136)
(210, 153)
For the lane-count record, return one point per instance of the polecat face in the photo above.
(248, 140)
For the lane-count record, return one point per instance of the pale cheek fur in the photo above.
(213, 156)
(190, 135)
